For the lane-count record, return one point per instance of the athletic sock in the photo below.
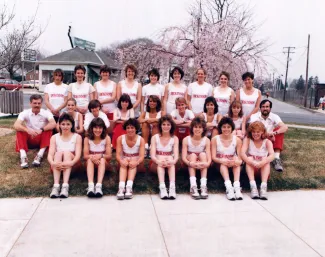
(228, 183)
(22, 153)
(193, 181)
(277, 155)
(41, 152)
(65, 184)
(203, 181)
(264, 184)
(129, 183)
(56, 185)
(172, 184)
(146, 146)
(236, 184)
(162, 185)
(98, 184)
(91, 184)
(252, 183)
(121, 184)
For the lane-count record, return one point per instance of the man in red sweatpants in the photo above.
(275, 130)
(34, 130)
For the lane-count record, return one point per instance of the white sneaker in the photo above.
(128, 193)
(254, 193)
(204, 192)
(55, 193)
(24, 162)
(230, 193)
(172, 193)
(91, 191)
(263, 193)
(195, 193)
(238, 194)
(37, 161)
(120, 193)
(64, 192)
(163, 193)
(98, 191)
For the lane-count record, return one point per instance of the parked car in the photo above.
(9, 84)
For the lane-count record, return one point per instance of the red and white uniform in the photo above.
(166, 150)
(238, 123)
(35, 121)
(173, 93)
(81, 92)
(130, 151)
(56, 94)
(65, 146)
(248, 101)
(157, 90)
(196, 149)
(132, 92)
(222, 99)
(214, 122)
(97, 148)
(104, 92)
(257, 153)
(89, 117)
(226, 152)
(198, 95)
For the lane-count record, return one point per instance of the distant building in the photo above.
(67, 60)
(32, 75)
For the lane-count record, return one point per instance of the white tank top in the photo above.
(257, 153)
(226, 152)
(130, 151)
(97, 148)
(248, 101)
(214, 122)
(104, 92)
(175, 92)
(65, 146)
(238, 123)
(119, 114)
(223, 100)
(164, 150)
(158, 116)
(196, 149)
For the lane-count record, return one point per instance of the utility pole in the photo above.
(306, 86)
(286, 78)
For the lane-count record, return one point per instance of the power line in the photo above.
(286, 78)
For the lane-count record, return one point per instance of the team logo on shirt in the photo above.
(219, 100)
(105, 94)
(80, 96)
(56, 95)
(177, 93)
(199, 96)
(247, 102)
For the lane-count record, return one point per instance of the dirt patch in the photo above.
(5, 131)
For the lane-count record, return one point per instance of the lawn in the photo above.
(303, 159)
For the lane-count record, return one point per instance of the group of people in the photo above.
(207, 126)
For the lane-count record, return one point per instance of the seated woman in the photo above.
(129, 154)
(123, 112)
(94, 108)
(182, 118)
(64, 152)
(97, 153)
(149, 120)
(225, 149)
(257, 152)
(78, 118)
(211, 116)
(164, 153)
(196, 155)
(236, 113)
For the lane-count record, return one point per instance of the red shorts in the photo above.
(279, 140)
(118, 131)
(24, 141)
(181, 133)
(110, 116)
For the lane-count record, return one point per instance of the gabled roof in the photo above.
(80, 56)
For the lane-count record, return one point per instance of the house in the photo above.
(32, 75)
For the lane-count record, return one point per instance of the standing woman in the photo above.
(224, 94)
(249, 96)
(56, 94)
(211, 116)
(152, 89)
(97, 153)
(106, 91)
(164, 152)
(174, 89)
(64, 152)
(198, 91)
(196, 155)
(129, 154)
(82, 91)
(131, 87)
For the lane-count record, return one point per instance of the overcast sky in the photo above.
(282, 22)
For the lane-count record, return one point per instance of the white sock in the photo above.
(252, 183)
(162, 185)
(22, 153)
(41, 152)
(98, 184)
(121, 184)
(203, 181)
(263, 184)
(56, 185)
(193, 181)
(277, 155)
(236, 184)
(146, 146)
(65, 184)
(129, 183)
(228, 183)
(172, 184)
(91, 184)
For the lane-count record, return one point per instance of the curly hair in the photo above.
(156, 100)
(196, 122)
(132, 122)
(223, 121)
(256, 126)
(168, 118)
(133, 68)
(210, 99)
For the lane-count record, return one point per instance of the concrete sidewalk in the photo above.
(289, 224)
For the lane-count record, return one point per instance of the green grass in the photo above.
(303, 160)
